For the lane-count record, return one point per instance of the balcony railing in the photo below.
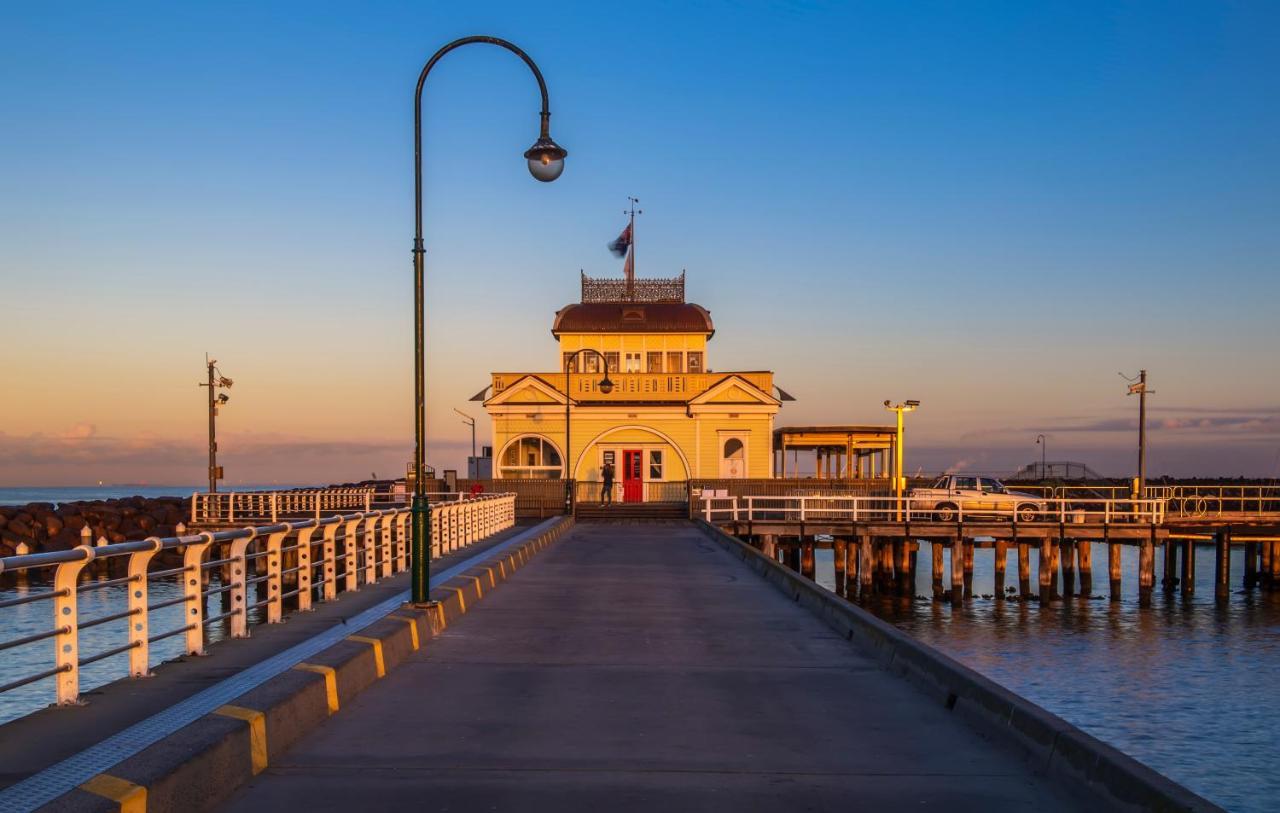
(675, 387)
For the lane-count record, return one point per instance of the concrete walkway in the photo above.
(642, 668)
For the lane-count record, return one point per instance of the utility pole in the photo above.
(1139, 388)
(216, 381)
(1040, 439)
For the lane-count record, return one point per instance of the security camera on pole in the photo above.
(216, 381)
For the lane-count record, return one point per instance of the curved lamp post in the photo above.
(1040, 440)
(546, 162)
(899, 481)
(606, 387)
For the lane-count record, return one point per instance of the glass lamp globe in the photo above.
(546, 159)
(606, 386)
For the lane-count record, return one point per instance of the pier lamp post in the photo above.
(899, 481)
(606, 387)
(546, 162)
(1040, 441)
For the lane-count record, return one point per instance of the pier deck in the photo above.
(632, 667)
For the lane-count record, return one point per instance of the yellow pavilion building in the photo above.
(668, 417)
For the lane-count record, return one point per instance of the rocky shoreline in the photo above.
(42, 526)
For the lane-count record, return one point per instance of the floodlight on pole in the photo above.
(899, 481)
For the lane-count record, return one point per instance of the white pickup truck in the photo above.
(956, 495)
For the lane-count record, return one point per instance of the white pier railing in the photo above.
(718, 507)
(240, 507)
(254, 574)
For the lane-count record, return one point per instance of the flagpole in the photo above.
(631, 266)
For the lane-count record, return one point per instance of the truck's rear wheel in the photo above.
(945, 512)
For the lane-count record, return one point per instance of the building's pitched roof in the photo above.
(629, 317)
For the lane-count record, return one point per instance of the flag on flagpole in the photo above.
(619, 247)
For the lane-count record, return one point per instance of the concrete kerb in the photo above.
(1079, 762)
(200, 765)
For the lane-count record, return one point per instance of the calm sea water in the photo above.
(1183, 686)
(22, 495)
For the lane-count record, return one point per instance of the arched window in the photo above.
(733, 449)
(531, 457)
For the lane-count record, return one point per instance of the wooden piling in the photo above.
(935, 552)
(1264, 566)
(806, 561)
(957, 572)
(1170, 580)
(913, 559)
(1222, 566)
(1113, 569)
(884, 558)
(1146, 571)
(968, 567)
(1024, 570)
(1188, 567)
(1055, 554)
(898, 550)
(1067, 553)
(769, 546)
(864, 564)
(1084, 556)
(1002, 561)
(838, 555)
(793, 556)
(851, 568)
(1044, 565)
(1273, 566)
(1250, 564)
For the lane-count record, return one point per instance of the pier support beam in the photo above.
(793, 556)
(957, 572)
(1170, 580)
(1067, 552)
(1222, 566)
(968, 567)
(1146, 571)
(1273, 566)
(935, 553)
(806, 561)
(865, 565)
(839, 547)
(1024, 570)
(1002, 561)
(769, 546)
(851, 568)
(1264, 568)
(1250, 565)
(1113, 569)
(1084, 555)
(1044, 567)
(1188, 567)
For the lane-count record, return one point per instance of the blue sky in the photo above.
(993, 208)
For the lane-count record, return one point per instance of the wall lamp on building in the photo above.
(899, 480)
(605, 387)
(546, 162)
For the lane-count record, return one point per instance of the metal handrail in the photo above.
(374, 545)
(840, 508)
(229, 507)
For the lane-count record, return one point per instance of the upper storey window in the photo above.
(695, 361)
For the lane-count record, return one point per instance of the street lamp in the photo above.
(606, 387)
(546, 162)
(470, 421)
(899, 481)
(1139, 388)
(1040, 441)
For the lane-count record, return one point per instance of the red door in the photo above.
(632, 479)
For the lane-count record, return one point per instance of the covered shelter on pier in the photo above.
(852, 452)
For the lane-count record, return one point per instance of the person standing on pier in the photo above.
(606, 489)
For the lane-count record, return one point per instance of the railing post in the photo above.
(66, 621)
(139, 653)
(195, 496)
(368, 500)
(304, 567)
(275, 604)
(329, 553)
(350, 553)
(402, 536)
(193, 594)
(803, 506)
(437, 529)
(239, 584)
(384, 540)
(371, 547)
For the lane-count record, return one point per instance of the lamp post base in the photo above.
(421, 549)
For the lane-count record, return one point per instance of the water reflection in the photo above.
(36, 617)
(1184, 686)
